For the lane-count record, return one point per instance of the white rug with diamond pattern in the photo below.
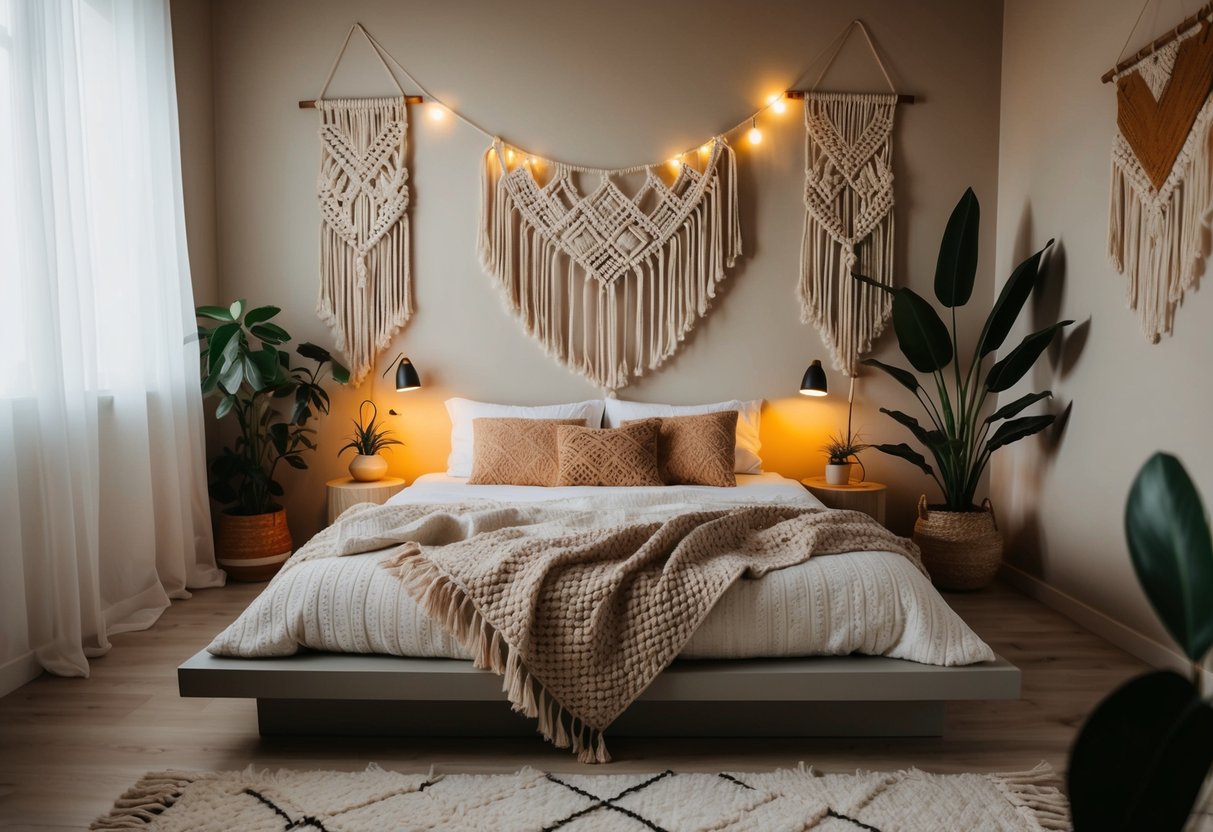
(777, 801)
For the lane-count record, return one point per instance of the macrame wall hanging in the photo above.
(609, 284)
(365, 291)
(1162, 175)
(848, 221)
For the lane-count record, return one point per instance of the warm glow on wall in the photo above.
(755, 135)
(436, 112)
(776, 103)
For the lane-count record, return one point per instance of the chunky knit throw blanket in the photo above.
(577, 609)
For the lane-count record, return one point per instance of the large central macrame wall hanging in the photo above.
(365, 292)
(848, 221)
(1162, 179)
(609, 284)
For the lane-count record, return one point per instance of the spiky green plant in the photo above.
(959, 439)
(369, 437)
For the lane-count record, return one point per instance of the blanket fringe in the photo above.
(447, 603)
(1037, 795)
(141, 804)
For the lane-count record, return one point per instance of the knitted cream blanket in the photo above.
(577, 609)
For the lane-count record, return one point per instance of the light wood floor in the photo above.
(68, 747)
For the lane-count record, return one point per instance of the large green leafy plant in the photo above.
(247, 366)
(958, 438)
(1143, 755)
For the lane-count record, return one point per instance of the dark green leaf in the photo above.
(1010, 301)
(279, 433)
(1141, 758)
(262, 313)
(1018, 406)
(956, 267)
(274, 488)
(209, 383)
(904, 377)
(340, 374)
(310, 350)
(219, 342)
(904, 451)
(1169, 544)
(1017, 429)
(295, 461)
(928, 438)
(224, 407)
(222, 492)
(875, 283)
(215, 313)
(231, 377)
(921, 335)
(270, 333)
(1008, 371)
(267, 364)
(252, 373)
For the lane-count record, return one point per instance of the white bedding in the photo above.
(875, 603)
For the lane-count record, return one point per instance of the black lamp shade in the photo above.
(814, 381)
(406, 376)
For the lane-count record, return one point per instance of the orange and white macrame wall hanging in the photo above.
(1162, 175)
(365, 285)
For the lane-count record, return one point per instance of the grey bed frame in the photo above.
(361, 695)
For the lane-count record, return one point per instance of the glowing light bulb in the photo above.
(754, 135)
(675, 164)
(776, 103)
(706, 148)
(532, 161)
(509, 155)
(436, 112)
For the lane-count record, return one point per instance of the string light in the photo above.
(436, 111)
(675, 164)
(755, 135)
(509, 155)
(775, 102)
(705, 148)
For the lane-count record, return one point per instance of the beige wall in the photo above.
(603, 84)
(1063, 498)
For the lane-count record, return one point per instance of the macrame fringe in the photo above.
(1035, 793)
(141, 804)
(848, 223)
(1160, 243)
(365, 274)
(446, 603)
(607, 287)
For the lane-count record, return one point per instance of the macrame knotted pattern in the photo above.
(1162, 180)
(365, 291)
(609, 284)
(848, 224)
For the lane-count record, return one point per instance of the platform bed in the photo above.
(360, 695)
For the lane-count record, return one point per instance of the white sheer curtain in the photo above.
(103, 508)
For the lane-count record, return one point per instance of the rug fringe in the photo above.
(1036, 794)
(447, 603)
(145, 801)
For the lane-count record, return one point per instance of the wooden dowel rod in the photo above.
(1158, 42)
(310, 104)
(902, 98)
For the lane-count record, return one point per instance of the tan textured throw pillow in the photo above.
(698, 450)
(622, 456)
(515, 451)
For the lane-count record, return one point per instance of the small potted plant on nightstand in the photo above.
(843, 451)
(367, 440)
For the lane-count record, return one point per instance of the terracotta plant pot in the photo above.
(961, 550)
(838, 473)
(368, 467)
(252, 547)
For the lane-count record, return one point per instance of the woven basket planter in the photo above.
(252, 547)
(961, 550)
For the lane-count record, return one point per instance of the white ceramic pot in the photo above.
(838, 474)
(368, 467)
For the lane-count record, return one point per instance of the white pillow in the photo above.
(463, 411)
(746, 459)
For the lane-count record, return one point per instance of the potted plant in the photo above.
(842, 452)
(247, 367)
(960, 542)
(367, 440)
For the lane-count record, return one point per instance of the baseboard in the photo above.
(1109, 629)
(16, 672)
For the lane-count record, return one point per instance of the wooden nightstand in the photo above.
(867, 497)
(346, 491)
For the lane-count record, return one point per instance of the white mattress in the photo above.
(875, 603)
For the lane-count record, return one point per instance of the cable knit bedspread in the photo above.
(580, 604)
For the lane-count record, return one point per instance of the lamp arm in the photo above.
(392, 364)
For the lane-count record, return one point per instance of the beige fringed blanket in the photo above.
(579, 610)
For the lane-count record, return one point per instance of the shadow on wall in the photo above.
(1022, 469)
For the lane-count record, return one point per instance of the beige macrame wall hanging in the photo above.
(1162, 176)
(609, 284)
(848, 221)
(365, 291)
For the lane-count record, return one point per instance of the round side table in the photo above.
(346, 491)
(868, 497)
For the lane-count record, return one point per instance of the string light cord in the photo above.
(750, 120)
